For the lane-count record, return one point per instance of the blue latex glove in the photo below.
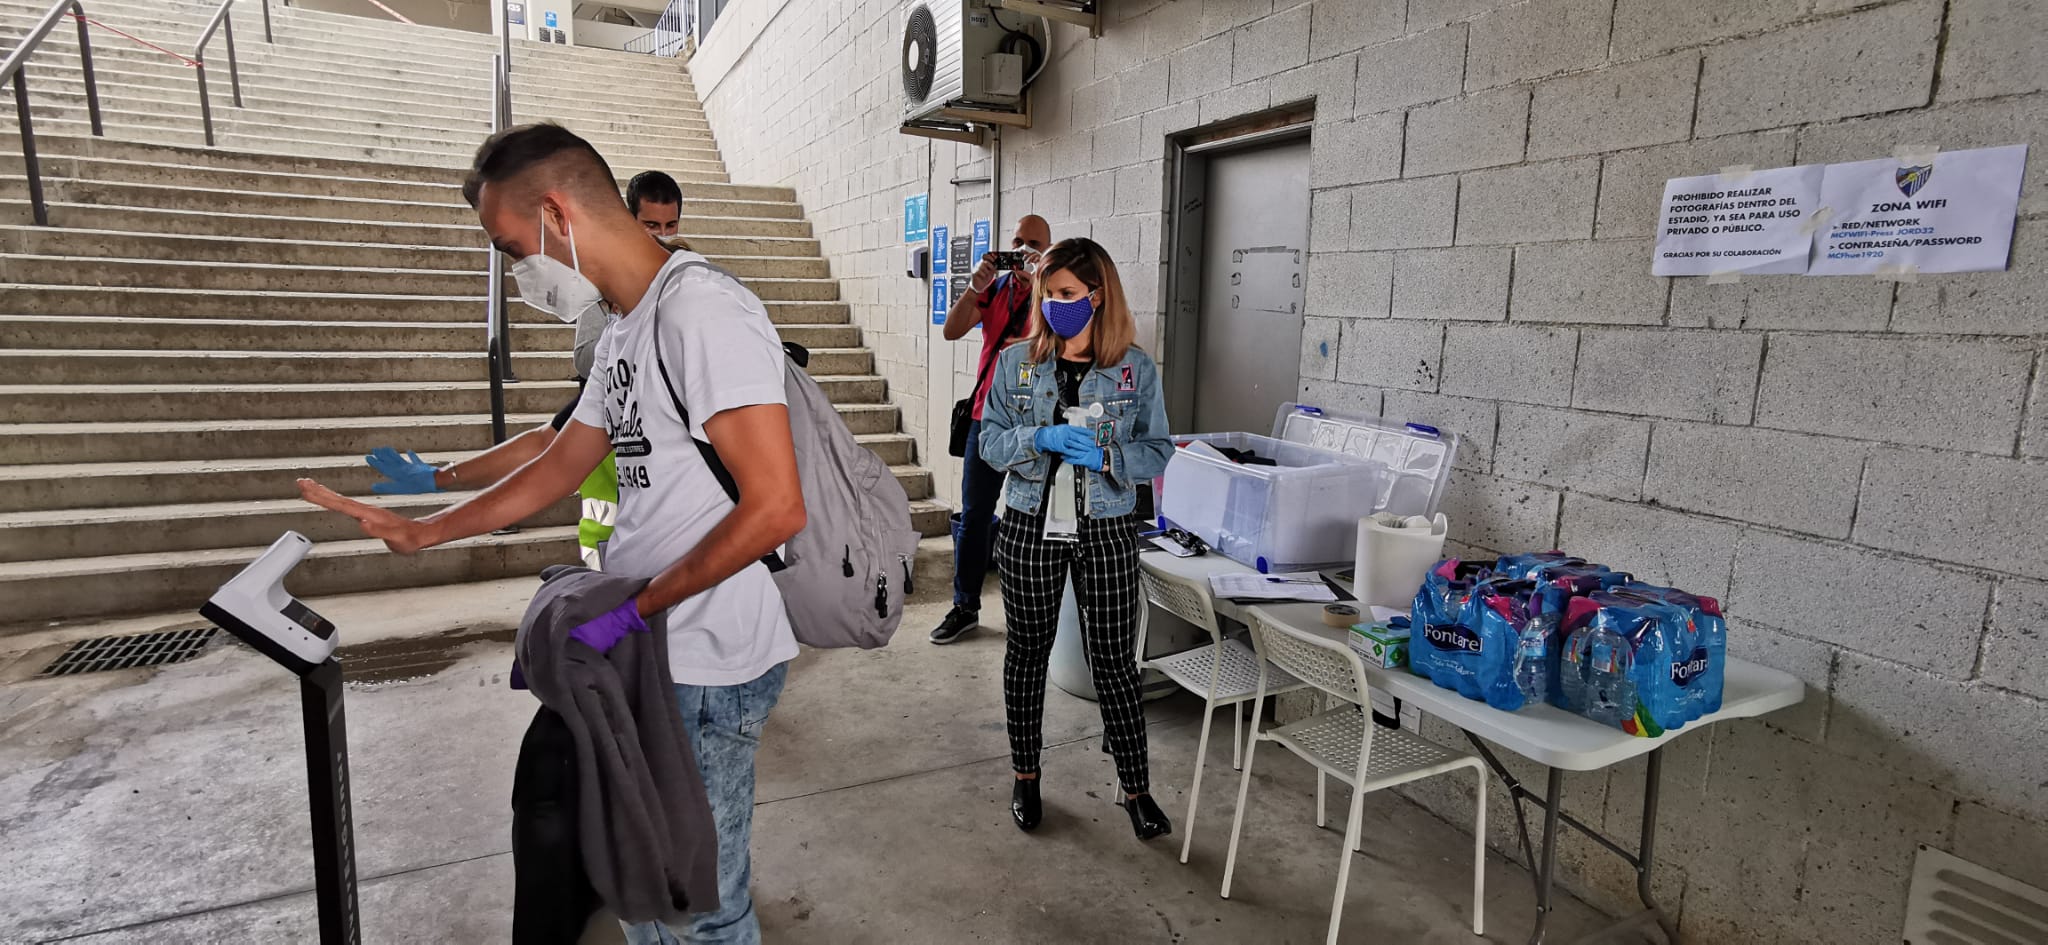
(1077, 446)
(1068, 438)
(605, 631)
(1048, 439)
(1086, 456)
(403, 474)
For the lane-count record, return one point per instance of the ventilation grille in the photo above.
(157, 648)
(1956, 902)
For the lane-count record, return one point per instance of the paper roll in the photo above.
(1394, 554)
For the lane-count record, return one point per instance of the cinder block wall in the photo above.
(1857, 467)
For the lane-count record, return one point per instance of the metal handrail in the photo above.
(671, 32)
(15, 70)
(223, 23)
(497, 320)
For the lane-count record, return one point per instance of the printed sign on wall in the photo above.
(915, 212)
(1752, 222)
(940, 300)
(981, 239)
(939, 250)
(1950, 211)
(963, 263)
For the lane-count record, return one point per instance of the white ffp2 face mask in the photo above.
(559, 289)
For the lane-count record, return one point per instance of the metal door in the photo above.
(1254, 264)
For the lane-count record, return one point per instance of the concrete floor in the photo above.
(168, 806)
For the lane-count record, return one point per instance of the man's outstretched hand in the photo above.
(400, 534)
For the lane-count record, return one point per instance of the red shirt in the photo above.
(1004, 302)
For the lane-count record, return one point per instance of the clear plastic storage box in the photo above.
(1302, 513)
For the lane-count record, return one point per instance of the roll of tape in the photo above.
(1339, 615)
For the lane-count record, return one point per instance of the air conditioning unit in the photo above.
(955, 59)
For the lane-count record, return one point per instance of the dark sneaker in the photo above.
(958, 621)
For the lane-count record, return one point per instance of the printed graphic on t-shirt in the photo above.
(623, 425)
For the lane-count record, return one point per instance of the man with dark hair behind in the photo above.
(656, 202)
(548, 200)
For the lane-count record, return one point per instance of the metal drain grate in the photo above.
(157, 648)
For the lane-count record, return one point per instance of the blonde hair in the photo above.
(1112, 332)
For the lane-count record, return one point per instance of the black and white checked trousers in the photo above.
(1104, 565)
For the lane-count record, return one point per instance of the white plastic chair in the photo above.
(1223, 673)
(1345, 743)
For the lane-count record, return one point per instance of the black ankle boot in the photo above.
(1024, 807)
(1147, 820)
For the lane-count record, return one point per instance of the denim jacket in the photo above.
(1024, 396)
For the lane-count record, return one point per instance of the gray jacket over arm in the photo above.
(649, 844)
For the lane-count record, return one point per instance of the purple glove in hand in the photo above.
(605, 632)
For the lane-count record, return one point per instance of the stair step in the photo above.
(122, 403)
(929, 518)
(165, 169)
(389, 270)
(85, 145)
(73, 216)
(180, 581)
(164, 173)
(118, 485)
(153, 529)
(227, 334)
(116, 403)
(121, 442)
(235, 335)
(174, 366)
(136, 93)
(278, 305)
(241, 202)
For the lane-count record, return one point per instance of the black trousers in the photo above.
(1104, 566)
(551, 896)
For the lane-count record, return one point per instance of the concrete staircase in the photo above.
(199, 327)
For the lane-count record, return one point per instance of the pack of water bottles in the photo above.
(1642, 658)
(1548, 627)
(1464, 632)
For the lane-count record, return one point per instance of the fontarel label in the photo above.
(1452, 636)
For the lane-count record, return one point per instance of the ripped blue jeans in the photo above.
(724, 724)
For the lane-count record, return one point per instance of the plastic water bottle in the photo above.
(1532, 670)
(1610, 695)
(1594, 678)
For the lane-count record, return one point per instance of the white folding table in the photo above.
(1547, 735)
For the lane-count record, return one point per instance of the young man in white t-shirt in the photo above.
(548, 200)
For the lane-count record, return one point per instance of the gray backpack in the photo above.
(844, 576)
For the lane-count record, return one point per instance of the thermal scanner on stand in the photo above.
(255, 607)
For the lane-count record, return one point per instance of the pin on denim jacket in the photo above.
(1132, 431)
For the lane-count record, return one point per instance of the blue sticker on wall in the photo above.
(939, 250)
(981, 237)
(550, 20)
(939, 301)
(916, 212)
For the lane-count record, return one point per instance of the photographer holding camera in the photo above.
(999, 300)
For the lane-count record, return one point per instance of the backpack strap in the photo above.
(710, 453)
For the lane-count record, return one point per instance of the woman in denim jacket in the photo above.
(1080, 354)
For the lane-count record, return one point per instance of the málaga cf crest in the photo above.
(1911, 179)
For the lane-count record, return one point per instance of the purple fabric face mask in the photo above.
(1067, 317)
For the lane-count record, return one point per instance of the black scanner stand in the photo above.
(303, 642)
